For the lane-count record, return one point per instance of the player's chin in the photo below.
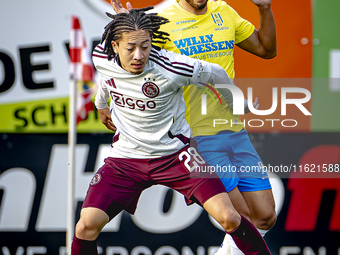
(138, 70)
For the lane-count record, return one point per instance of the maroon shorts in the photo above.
(123, 180)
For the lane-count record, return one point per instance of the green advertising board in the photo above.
(326, 66)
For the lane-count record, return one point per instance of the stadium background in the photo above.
(34, 87)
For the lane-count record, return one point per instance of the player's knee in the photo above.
(271, 219)
(87, 230)
(267, 220)
(230, 220)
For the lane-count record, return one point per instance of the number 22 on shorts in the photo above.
(191, 157)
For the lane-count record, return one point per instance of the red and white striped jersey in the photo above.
(148, 108)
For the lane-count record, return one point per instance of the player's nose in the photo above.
(138, 54)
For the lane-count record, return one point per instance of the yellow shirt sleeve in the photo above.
(243, 28)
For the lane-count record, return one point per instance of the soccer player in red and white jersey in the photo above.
(151, 145)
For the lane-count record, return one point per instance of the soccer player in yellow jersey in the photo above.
(209, 30)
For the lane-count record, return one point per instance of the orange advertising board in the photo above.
(294, 41)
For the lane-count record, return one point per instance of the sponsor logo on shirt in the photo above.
(201, 44)
(131, 103)
(185, 21)
(111, 83)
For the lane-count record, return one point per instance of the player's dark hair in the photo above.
(132, 21)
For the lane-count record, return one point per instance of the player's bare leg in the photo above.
(91, 222)
(239, 203)
(262, 208)
(244, 233)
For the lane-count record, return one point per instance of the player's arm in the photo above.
(105, 118)
(101, 103)
(262, 42)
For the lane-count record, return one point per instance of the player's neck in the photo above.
(118, 62)
(186, 6)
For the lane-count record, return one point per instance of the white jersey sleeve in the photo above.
(193, 71)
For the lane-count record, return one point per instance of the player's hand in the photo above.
(118, 7)
(105, 118)
(265, 3)
(256, 105)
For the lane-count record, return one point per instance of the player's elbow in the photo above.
(269, 54)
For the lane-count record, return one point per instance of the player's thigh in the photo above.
(91, 222)
(261, 204)
(117, 185)
(239, 203)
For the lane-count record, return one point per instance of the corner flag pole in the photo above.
(72, 140)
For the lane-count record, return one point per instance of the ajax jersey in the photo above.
(148, 108)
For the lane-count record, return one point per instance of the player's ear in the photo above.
(114, 46)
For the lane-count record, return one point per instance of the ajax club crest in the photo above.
(96, 179)
(150, 89)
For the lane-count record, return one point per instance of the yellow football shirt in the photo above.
(210, 37)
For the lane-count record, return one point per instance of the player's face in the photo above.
(197, 4)
(133, 50)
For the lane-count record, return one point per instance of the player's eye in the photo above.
(144, 47)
